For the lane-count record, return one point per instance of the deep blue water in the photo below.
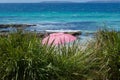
(62, 16)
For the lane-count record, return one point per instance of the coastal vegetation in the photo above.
(23, 57)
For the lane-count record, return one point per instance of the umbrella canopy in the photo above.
(58, 38)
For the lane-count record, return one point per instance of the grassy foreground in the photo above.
(23, 57)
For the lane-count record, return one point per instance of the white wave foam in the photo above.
(83, 31)
(62, 30)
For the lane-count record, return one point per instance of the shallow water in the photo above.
(62, 16)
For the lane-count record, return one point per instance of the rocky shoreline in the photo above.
(16, 25)
(20, 27)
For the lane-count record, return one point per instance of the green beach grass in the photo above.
(23, 57)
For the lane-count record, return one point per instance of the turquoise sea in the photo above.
(62, 16)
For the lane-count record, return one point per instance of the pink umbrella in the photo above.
(58, 38)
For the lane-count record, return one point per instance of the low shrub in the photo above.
(107, 46)
(24, 57)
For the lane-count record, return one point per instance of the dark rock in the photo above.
(74, 33)
(4, 31)
(15, 25)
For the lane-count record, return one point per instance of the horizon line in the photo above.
(67, 2)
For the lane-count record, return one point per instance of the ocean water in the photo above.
(62, 16)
